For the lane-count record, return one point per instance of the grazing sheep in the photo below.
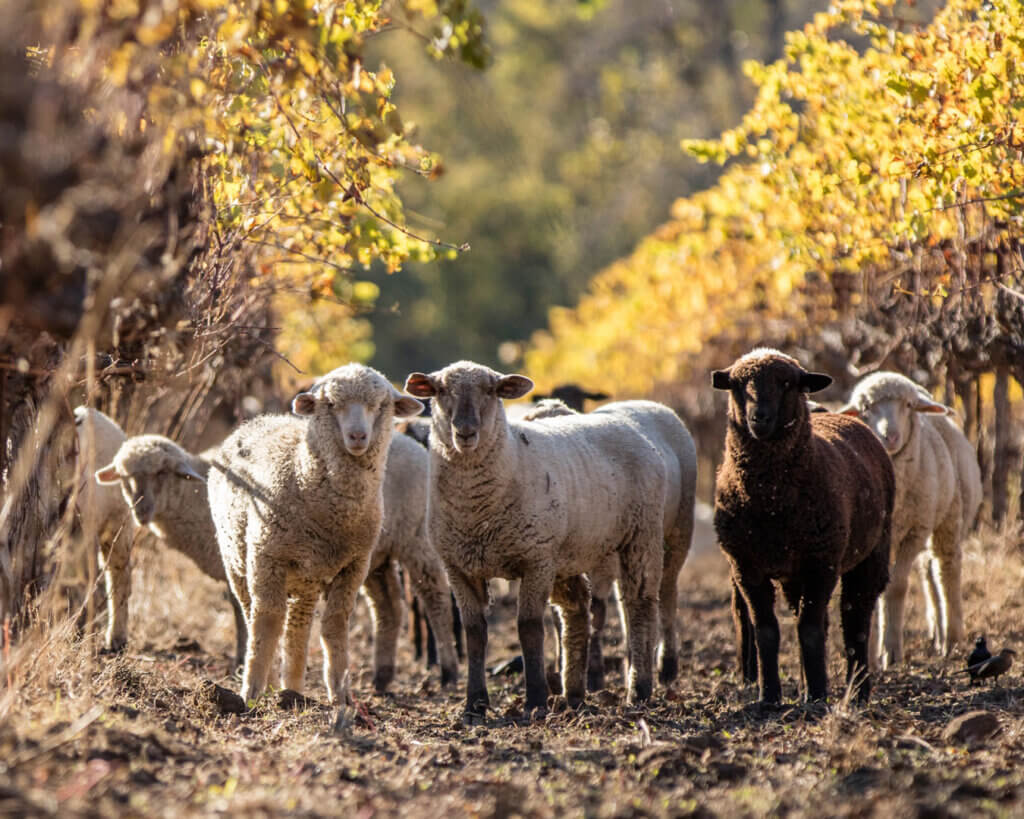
(164, 486)
(802, 499)
(664, 429)
(298, 503)
(99, 437)
(543, 503)
(403, 538)
(938, 494)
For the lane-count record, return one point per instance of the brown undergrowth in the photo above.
(148, 734)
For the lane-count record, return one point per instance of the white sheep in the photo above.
(938, 493)
(542, 503)
(99, 437)
(297, 503)
(403, 538)
(664, 429)
(164, 487)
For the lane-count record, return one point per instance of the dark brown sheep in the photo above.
(804, 500)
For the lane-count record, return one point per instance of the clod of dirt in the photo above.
(972, 728)
(185, 645)
(293, 700)
(225, 701)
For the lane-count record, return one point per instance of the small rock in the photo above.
(971, 728)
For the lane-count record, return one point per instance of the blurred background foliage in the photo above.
(557, 159)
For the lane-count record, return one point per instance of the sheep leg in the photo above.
(430, 586)
(892, 605)
(932, 592)
(812, 630)
(572, 596)
(460, 651)
(746, 647)
(677, 546)
(297, 624)
(341, 599)
(267, 613)
(471, 596)
(760, 602)
(534, 593)
(639, 580)
(384, 591)
(862, 587)
(949, 559)
(595, 655)
(117, 577)
(241, 630)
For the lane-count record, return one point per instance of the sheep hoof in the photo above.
(449, 676)
(640, 692)
(475, 715)
(538, 714)
(575, 699)
(382, 678)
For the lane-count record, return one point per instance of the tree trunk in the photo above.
(1002, 446)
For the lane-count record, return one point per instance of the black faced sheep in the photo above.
(803, 500)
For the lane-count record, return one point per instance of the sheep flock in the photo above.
(300, 513)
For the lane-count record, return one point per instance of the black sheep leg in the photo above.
(862, 586)
(760, 599)
(746, 648)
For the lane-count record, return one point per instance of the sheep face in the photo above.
(356, 401)
(767, 390)
(141, 470)
(467, 401)
(889, 404)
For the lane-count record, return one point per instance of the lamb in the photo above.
(297, 504)
(164, 487)
(938, 494)
(542, 503)
(802, 499)
(664, 429)
(403, 538)
(99, 437)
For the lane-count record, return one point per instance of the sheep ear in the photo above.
(421, 385)
(721, 380)
(814, 382)
(304, 403)
(107, 475)
(513, 386)
(597, 396)
(850, 410)
(407, 407)
(184, 470)
(934, 407)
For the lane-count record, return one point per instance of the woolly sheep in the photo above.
(99, 437)
(403, 538)
(664, 429)
(164, 486)
(542, 503)
(802, 499)
(938, 493)
(297, 503)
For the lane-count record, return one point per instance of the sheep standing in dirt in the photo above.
(165, 488)
(403, 538)
(99, 437)
(542, 503)
(938, 494)
(664, 429)
(803, 499)
(297, 503)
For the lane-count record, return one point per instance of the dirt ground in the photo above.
(146, 734)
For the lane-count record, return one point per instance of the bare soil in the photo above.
(155, 731)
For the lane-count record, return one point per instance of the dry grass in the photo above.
(138, 735)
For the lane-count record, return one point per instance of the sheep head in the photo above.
(889, 404)
(357, 401)
(141, 466)
(767, 392)
(467, 401)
